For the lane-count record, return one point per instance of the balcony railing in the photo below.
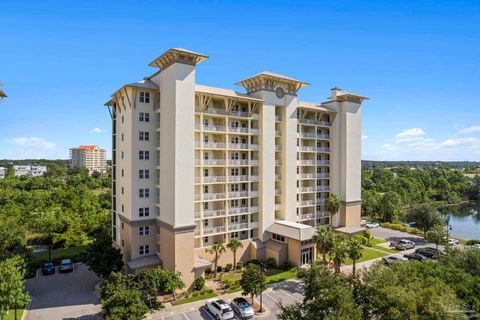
(323, 214)
(239, 113)
(278, 147)
(306, 203)
(210, 196)
(323, 149)
(237, 226)
(212, 110)
(315, 122)
(212, 230)
(278, 177)
(238, 146)
(238, 130)
(323, 175)
(323, 162)
(307, 216)
(237, 194)
(278, 118)
(212, 145)
(210, 179)
(278, 162)
(253, 225)
(211, 128)
(210, 162)
(321, 200)
(277, 133)
(213, 213)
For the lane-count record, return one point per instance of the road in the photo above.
(64, 296)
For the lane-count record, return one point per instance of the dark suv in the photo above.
(429, 252)
(48, 268)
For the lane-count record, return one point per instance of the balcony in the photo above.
(209, 162)
(209, 196)
(278, 118)
(237, 194)
(211, 179)
(238, 146)
(304, 203)
(210, 110)
(323, 149)
(278, 177)
(307, 162)
(213, 230)
(209, 145)
(315, 122)
(321, 200)
(277, 133)
(278, 162)
(308, 176)
(308, 148)
(211, 128)
(239, 114)
(237, 226)
(277, 192)
(278, 147)
(238, 130)
(323, 175)
(323, 188)
(242, 162)
(213, 213)
(323, 214)
(323, 162)
(253, 225)
(307, 216)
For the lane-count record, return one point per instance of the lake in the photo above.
(464, 219)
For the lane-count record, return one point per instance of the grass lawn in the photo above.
(281, 276)
(192, 299)
(58, 254)
(11, 315)
(368, 254)
(377, 241)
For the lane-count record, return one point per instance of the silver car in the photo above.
(220, 309)
(242, 307)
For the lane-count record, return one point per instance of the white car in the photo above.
(220, 309)
(363, 223)
(404, 244)
(371, 225)
(241, 306)
(453, 242)
(476, 246)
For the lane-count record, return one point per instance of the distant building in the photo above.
(91, 157)
(3, 172)
(28, 170)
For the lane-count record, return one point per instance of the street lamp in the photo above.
(449, 228)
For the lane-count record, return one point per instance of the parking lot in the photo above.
(63, 296)
(288, 292)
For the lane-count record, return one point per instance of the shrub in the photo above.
(302, 273)
(287, 264)
(270, 263)
(228, 267)
(219, 269)
(199, 283)
(239, 265)
(255, 261)
(400, 227)
(471, 242)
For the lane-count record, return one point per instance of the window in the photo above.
(205, 139)
(143, 136)
(145, 249)
(205, 223)
(205, 155)
(143, 212)
(143, 155)
(144, 97)
(144, 193)
(123, 208)
(205, 240)
(144, 230)
(122, 154)
(278, 237)
(205, 189)
(123, 136)
(205, 122)
(123, 119)
(144, 174)
(144, 117)
(122, 172)
(234, 219)
(205, 206)
(123, 190)
(205, 172)
(234, 235)
(234, 187)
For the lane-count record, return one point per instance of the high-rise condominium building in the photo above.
(3, 172)
(91, 157)
(195, 165)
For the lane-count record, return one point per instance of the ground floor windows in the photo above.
(144, 249)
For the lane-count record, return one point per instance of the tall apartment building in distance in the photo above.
(91, 157)
(194, 165)
(3, 172)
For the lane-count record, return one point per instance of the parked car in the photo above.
(220, 309)
(476, 246)
(48, 268)
(66, 265)
(242, 307)
(429, 252)
(404, 244)
(392, 259)
(415, 256)
(453, 242)
(371, 225)
(363, 223)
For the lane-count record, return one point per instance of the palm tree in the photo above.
(323, 238)
(217, 249)
(355, 251)
(338, 253)
(234, 245)
(333, 205)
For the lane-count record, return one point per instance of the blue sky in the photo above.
(418, 61)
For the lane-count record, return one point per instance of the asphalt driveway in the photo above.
(64, 296)
(395, 235)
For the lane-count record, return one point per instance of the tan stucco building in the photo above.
(194, 165)
(91, 157)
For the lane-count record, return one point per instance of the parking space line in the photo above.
(207, 312)
(37, 273)
(291, 296)
(272, 298)
(185, 316)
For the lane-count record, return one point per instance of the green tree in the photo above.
(12, 285)
(389, 206)
(150, 282)
(355, 251)
(234, 245)
(101, 257)
(253, 282)
(425, 217)
(217, 249)
(323, 239)
(174, 283)
(338, 253)
(437, 235)
(333, 204)
(124, 304)
(327, 296)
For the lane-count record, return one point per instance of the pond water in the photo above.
(464, 220)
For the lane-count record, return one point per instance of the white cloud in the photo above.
(414, 134)
(96, 130)
(458, 141)
(364, 137)
(33, 142)
(471, 129)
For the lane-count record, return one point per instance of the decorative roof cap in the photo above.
(267, 80)
(177, 55)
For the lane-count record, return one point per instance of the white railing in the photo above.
(308, 175)
(277, 133)
(315, 122)
(306, 202)
(238, 145)
(253, 131)
(212, 110)
(323, 149)
(237, 226)
(211, 128)
(277, 192)
(237, 178)
(323, 188)
(323, 214)
(213, 213)
(307, 216)
(278, 147)
(308, 134)
(278, 162)
(307, 148)
(239, 113)
(199, 144)
(196, 215)
(307, 189)
(238, 129)
(212, 179)
(323, 136)
(323, 175)
(253, 194)
(238, 194)
(210, 196)
(278, 177)
(278, 118)
(253, 225)
(210, 162)
(321, 200)
(253, 178)
(308, 162)
(238, 210)
(323, 162)
(234, 162)
(254, 146)
(210, 230)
